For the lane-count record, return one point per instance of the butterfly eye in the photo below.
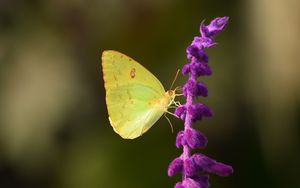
(170, 92)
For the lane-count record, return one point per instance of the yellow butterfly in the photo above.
(135, 98)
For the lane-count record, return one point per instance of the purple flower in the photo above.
(179, 185)
(195, 139)
(203, 42)
(181, 112)
(175, 166)
(195, 167)
(202, 180)
(199, 69)
(180, 139)
(195, 88)
(215, 27)
(196, 182)
(190, 168)
(186, 69)
(196, 69)
(192, 138)
(196, 52)
(211, 166)
(197, 111)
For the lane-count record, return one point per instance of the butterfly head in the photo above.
(171, 94)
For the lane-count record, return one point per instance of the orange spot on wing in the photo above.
(132, 73)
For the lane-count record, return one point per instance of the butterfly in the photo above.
(135, 98)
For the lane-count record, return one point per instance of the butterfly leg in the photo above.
(177, 103)
(169, 122)
(172, 114)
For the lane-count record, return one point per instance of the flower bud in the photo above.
(215, 27)
(197, 111)
(179, 185)
(195, 88)
(211, 166)
(196, 52)
(203, 42)
(180, 140)
(196, 182)
(195, 139)
(176, 166)
(181, 112)
(190, 168)
(199, 69)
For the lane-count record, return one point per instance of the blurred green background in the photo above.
(54, 130)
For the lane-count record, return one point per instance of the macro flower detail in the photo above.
(194, 88)
(190, 169)
(180, 139)
(198, 111)
(195, 52)
(175, 167)
(181, 112)
(215, 27)
(195, 139)
(203, 42)
(191, 137)
(195, 168)
(197, 69)
(211, 166)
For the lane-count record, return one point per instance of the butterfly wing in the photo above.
(130, 88)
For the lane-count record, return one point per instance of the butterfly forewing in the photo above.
(119, 69)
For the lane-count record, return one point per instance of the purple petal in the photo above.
(221, 169)
(206, 111)
(186, 69)
(195, 88)
(211, 166)
(190, 183)
(179, 185)
(176, 166)
(203, 42)
(180, 141)
(199, 54)
(190, 168)
(202, 180)
(195, 139)
(216, 26)
(181, 112)
(197, 111)
(202, 89)
(199, 69)
(204, 30)
(190, 88)
(195, 182)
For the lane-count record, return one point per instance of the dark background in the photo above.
(54, 129)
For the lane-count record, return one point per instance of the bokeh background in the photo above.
(54, 130)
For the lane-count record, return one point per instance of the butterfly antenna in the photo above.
(177, 73)
(169, 122)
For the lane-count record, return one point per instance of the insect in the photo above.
(135, 98)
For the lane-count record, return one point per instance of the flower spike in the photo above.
(195, 168)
